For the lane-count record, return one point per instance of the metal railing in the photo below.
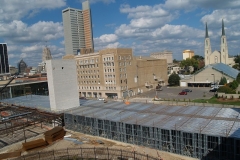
(87, 153)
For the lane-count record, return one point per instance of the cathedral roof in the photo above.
(223, 30)
(206, 33)
(226, 69)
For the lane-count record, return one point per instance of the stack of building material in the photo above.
(34, 144)
(54, 134)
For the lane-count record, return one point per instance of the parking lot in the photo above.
(173, 93)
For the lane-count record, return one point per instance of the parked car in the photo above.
(183, 93)
(213, 90)
(101, 99)
(187, 90)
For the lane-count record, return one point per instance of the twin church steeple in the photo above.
(215, 57)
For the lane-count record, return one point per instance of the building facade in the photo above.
(221, 56)
(4, 65)
(163, 55)
(116, 73)
(22, 66)
(188, 54)
(77, 29)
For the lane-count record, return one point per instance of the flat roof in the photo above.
(215, 121)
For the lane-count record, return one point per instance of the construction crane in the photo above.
(15, 76)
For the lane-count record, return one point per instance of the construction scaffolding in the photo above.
(208, 133)
(16, 121)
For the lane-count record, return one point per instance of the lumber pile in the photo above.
(54, 134)
(34, 144)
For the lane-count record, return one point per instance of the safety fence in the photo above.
(87, 154)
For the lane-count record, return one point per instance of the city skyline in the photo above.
(145, 26)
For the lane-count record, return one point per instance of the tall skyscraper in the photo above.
(77, 29)
(4, 65)
(46, 54)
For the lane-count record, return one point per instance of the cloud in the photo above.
(96, 1)
(106, 38)
(148, 16)
(19, 32)
(205, 4)
(15, 9)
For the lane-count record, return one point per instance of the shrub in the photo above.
(174, 79)
(226, 89)
(233, 85)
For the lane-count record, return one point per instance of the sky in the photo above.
(146, 26)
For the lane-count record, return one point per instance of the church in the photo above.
(217, 56)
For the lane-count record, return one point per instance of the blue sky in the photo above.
(147, 26)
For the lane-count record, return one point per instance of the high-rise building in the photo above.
(46, 55)
(163, 55)
(22, 67)
(4, 66)
(77, 29)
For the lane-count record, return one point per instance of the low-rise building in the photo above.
(116, 73)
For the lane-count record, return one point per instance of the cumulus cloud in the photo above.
(19, 32)
(207, 4)
(148, 16)
(106, 38)
(96, 1)
(15, 9)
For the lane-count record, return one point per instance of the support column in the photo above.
(10, 91)
(160, 138)
(133, 140)
(124, 132)
(181, 142)
(194, 144)
(219, 148)
(170, 139)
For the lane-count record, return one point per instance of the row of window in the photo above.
(91, 88)
(108, 59)
(122, 69)
(90, 77)
(128, 57)
(109, 70)
(87, 61)
(110, 76)
(88, 66)
(97, 88)
(125, 63)
(109, 64)
(89, 82)
(110, 82)
(88, 72)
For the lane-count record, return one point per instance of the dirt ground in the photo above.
(91, 141)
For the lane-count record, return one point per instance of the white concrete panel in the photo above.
(62, 84)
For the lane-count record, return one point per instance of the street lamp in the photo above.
(213, 79)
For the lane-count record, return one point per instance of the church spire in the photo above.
(206, 34)
(223, 30)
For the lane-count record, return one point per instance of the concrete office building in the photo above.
(62, 84)
(163, 55)
(4, 65)
(188, 54)
(116, 73)
(77, 29)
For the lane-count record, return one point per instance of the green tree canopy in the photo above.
(237, 60)
(189, 62)
(223, 81)
(233, 85)
(226, 89)
(174, 79)
(238, 78)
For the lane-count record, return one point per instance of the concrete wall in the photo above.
(62, 84)
(228, 95)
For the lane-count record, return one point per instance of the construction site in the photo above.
(209, 133)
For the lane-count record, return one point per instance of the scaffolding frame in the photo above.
(168, 128)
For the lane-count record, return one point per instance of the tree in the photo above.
(189, 62)
(223, 81)
(174, 79)
(238, 78)
(237, 60)
(233, 85)
(197, 57)
(226, 89)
